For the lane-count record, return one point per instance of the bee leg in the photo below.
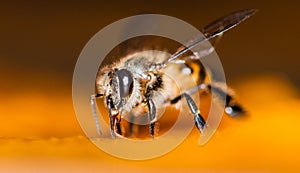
(152, 116)
(199, 120)
(232, 108)
(117, 125)
(93, 105)
(110, 106)
(131, 125)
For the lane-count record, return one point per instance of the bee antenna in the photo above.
(93, 105)
(212, 30)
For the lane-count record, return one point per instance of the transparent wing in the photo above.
(145, 42)
(203, 49)
(213, 33)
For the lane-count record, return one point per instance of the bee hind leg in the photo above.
(232, 108)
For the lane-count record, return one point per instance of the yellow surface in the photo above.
(43, 136)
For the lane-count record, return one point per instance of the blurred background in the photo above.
(41, 41)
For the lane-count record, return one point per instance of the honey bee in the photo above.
(140, 82)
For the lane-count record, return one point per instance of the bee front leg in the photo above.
(199, 120)
(152, 116)
(114, 120)
(93, 105)
(117, 125)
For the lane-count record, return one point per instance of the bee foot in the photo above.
(200, 122)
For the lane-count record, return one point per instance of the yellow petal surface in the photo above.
(40, 133)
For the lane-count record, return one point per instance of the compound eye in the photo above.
(125, 82)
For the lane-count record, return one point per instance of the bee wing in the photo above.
(225, 23)
(214, 30)
(203, 49)
(146, 42)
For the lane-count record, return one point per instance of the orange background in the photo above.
(41, 41)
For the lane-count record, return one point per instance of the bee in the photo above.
(139, 82)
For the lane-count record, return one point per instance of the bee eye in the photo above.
(125, 82)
